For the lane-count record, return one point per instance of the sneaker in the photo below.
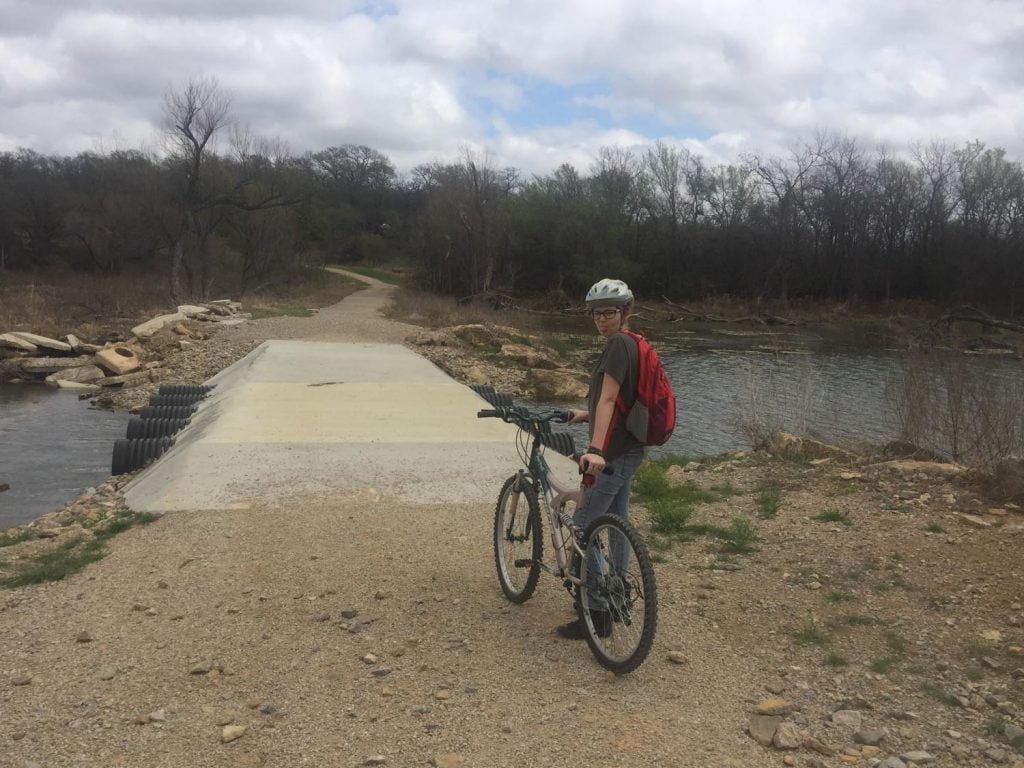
(575, 630)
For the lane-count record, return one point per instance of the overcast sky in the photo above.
(534, 82)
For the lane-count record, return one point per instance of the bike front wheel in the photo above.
(518, 543)
(617, 600)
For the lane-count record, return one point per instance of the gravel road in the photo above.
(203, 624)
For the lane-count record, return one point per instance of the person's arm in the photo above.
(576, 416)
(595, 462)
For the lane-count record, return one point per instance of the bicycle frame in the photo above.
(555, 496)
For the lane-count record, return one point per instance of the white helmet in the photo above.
(609, 291)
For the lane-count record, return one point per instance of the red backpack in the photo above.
(652, 416)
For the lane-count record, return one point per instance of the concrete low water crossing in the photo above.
(356, 419)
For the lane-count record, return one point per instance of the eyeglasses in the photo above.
(604, 314)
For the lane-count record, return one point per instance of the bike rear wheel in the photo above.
(617, 600)
(518, 540)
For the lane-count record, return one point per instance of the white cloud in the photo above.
(418, 79)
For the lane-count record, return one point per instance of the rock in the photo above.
(159, 716)
(148, 328)
(850, 718)
(61, 384)
(473, 334)
(107, 673)
(375, 760)
(891, 762)
(5, 487)
(83, 637)
(254, 702)
(181, 329)
(774, 707)
(448, 760)
(676, 476)
(266, 708)
(851, 476)
(381, 672)
(820, 747)
(382, 595)
(443, 695)
(226, 717)
(322, 616)
(693, 466)
(997, 755)
(21, 679)
(80, 347)
(82, 375)
(192, 310)
(559, 384)
(41, 341)
(974, 521)
(127, 380)
(370, 658)
(787, 736)
(791, 446)
(529, 356)
(35, 365)
(11, 341)
(869, 738)
(918, 756)
(911, 467)
(201, 668)
(118, 359)
(232, 733)
(762, 728)
(676, 657)
(788, 760)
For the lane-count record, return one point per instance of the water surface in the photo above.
(52, 446)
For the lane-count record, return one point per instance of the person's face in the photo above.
(608, 319)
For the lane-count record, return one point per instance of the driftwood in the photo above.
(763, 318)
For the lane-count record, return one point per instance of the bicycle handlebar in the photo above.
(520, 414)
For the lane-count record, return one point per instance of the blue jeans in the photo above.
(610, 493)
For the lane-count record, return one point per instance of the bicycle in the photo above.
(607, 567)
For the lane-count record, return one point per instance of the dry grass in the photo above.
(88, 305)
(92, 306)
(435, 311)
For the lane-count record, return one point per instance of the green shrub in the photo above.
(768, 502)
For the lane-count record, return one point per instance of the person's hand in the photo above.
(577, 416)
(592, 464)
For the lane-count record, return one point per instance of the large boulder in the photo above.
(82, 375)
(193, 310)
(473, 334)
(559, 384)
(118, 359)
(13, 341)
(34, 365)
(529, 356)
(80, 347)
(129, 379)
(42, 341)
(148, 328)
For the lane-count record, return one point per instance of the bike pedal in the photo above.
(526, 563)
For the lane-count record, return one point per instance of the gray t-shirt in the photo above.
(620, 360)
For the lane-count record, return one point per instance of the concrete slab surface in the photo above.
(360, 419)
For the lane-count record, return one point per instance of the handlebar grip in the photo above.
(487, 413)
(563, 417)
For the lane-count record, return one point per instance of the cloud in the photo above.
(537, 83)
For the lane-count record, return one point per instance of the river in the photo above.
(52, 446)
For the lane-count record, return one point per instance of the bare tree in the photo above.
(193, 118)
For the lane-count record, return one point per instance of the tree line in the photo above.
(221, 209)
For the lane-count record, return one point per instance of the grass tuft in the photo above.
(768, 502)
(835, 660)
(15, 536)
(934, 527)
(740, 537)
(68, 558)
(669, 516)
(810, 634)
(882, 666)
(835, 597)
(834, 516)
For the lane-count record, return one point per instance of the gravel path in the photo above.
(199, 623)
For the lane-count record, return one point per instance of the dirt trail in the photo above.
(202, 620)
